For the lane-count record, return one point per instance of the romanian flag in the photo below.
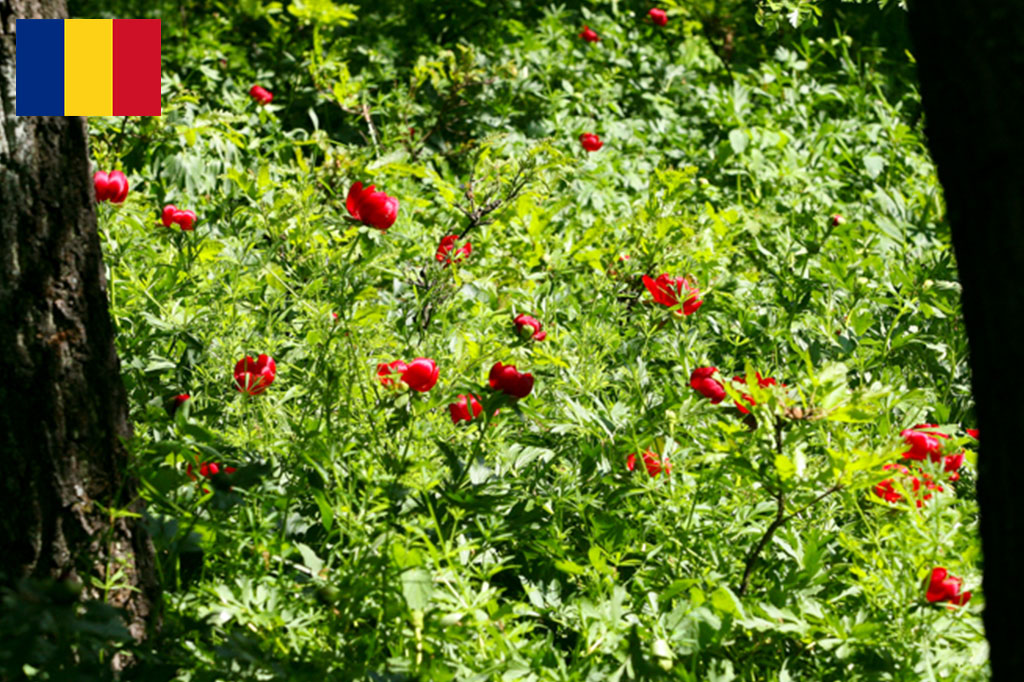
(87, 67)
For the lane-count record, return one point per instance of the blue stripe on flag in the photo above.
(39, 86)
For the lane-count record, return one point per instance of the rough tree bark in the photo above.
(970, 57)
(63, 407)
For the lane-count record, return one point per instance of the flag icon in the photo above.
(87, 67)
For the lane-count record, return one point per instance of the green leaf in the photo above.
(738, 140)
(724, 600)
(417, 588)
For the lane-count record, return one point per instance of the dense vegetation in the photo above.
(332, 526)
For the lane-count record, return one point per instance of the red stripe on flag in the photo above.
(136, 67)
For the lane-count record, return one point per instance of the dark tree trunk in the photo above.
(970, 59)
(63, 409)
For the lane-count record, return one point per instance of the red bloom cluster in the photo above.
(508, 380)
(658, 16)
(465, 409)
(667, 290)
(524, 321)
(112, 186)
(173, 215)
(763, 382)
(254, 376)
(589, 35)
(420, 375)
(653, 464)
(447, 245)
(209, 470)
(371, 207)
(703, 381)
(591, 142)
(945, 587)
(923, 442)
(261, 94)
(921, 485)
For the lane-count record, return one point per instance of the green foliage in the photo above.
(364, 536)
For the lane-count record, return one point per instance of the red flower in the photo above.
(658, 16)
(444, 250)
(952, 464)
(837, 220)
(254, 376)
(591, 142)
(461, 409)
(508, 380)
(703, 381)
(667, 290)
(261, 94)
(973, 433)
(522, 321)
(387, 371)
(171, 214)
(209, 470)
(112, 186)
(886, 489)
(761, 381)
(371, 207)
(176, 402)
(945, 587)
(421, 374)
(589, 35)
(651, 461)
(923, 442)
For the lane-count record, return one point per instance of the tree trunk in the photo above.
(970, 57)
(63, 407)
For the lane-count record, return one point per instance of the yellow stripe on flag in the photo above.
(88, 67)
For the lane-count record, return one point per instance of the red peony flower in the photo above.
(945, 587)
(922, 485)
(651, 461)
(388, 371)
(254, 376)
(461, 409)
(421, 374)
(923, 442)
(523, 321)
(763, 382)
(591, 142)
(658, 16)
(371, 207)
(112, 186)
(951, 465)
(261, 94)
(667, 291)
(209, 470)
(444, 250)
(171, 215)
(702, 380)
(508, 380)
(172, 405)
(589, 35)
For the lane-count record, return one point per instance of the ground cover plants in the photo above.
(588, 341)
